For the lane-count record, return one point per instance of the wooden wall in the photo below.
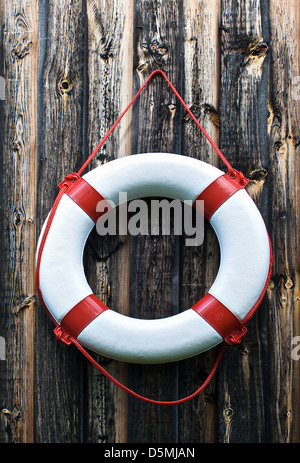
(70, 67)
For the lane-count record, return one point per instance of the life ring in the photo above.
(239, 286)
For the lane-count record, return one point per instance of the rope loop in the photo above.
(157, 71)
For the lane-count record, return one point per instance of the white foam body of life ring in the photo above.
(241, 280)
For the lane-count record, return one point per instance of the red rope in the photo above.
(146, 399)
(157, 71)
(63, 188)
(41, 247)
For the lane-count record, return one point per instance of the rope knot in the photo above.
(68, 180)
(238, 177)
(62, 335)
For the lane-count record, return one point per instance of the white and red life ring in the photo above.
(238, 289)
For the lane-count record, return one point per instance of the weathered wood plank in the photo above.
(154, 259)
(58, 369)
(86, 52)
(198, 419)
(243, 129)
(18, 135)
(283, 374)
(110, 40)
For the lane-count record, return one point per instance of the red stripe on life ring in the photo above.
(85, 196)
(81, 315)
(220, 318)
(219, 191)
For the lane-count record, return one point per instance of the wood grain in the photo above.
(154, 259)
(59, 371)
(109, 45)
(197, 419)
(19, 45)
(70, 67)
(243, 131)
(283, 373)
